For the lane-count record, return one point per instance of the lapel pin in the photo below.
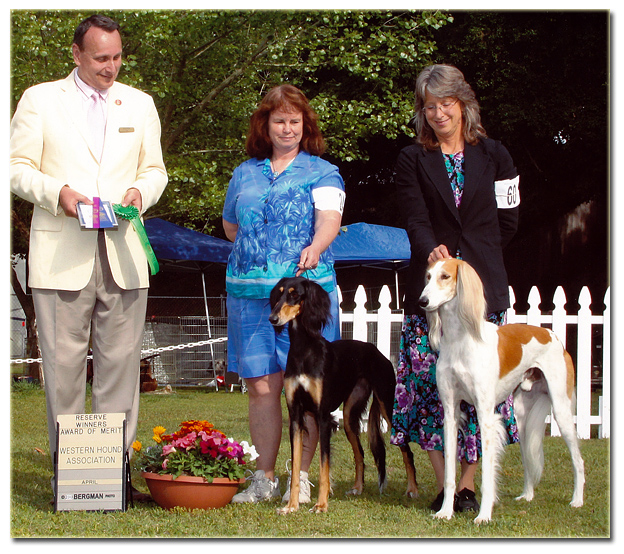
(118, 102)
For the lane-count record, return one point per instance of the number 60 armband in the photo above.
(507, 193)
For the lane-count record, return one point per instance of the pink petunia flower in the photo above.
(168, 449)
(187, 442)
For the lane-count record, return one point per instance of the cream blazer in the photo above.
(50, 148)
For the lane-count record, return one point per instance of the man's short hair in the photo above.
(100, 21)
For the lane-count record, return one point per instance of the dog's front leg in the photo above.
(492, 437)
(324, 484)
(296, 439)
(451, 413)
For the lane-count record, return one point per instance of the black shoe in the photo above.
(437, 503)
(138, 496)
(465, 501)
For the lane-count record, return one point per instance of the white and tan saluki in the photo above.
(483, 364)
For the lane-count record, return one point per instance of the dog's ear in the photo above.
(316, 306)
(276, 292)
(471, 300)
(435, 329)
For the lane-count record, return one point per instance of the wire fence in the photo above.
(182, 346)
(192, 366)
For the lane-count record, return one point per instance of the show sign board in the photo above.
(91, 470)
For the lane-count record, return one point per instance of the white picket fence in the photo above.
(382, 327)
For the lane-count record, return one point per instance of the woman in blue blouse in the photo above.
(282, 210)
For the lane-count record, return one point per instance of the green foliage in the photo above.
(541, 79)
(150, 459)
(207, 71)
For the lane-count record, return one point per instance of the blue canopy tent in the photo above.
(364, 244)
(185, 248)
(378, 246)
(359, 244)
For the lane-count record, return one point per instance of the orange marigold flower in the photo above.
(136, 446)
(194, 425)
(190, 426)
(159, 430)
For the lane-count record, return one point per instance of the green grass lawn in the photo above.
(370, 515)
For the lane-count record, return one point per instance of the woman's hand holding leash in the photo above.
(309, 260)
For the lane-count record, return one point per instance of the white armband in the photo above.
(507, 193)
(329, 198)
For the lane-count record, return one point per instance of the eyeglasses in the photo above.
(446, 107)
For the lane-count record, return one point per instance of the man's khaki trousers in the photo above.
(113, 318)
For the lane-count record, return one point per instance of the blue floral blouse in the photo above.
(275, 218)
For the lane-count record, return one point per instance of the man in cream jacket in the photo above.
(88, 283)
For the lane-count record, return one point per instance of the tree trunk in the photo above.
(35, 369)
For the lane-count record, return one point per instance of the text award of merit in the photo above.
(91, 465)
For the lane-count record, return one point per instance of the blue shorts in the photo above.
(255, 349)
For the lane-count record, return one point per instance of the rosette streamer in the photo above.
(131, 214)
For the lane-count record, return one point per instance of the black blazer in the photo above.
(480, 229)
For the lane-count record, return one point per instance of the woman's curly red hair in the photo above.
(289, 99)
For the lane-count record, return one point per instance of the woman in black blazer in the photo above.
(458, 192)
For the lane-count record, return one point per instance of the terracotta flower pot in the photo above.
(190, 492)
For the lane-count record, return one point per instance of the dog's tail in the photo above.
(376, 441)
(536, 405)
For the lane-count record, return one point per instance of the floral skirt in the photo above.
(417, 415)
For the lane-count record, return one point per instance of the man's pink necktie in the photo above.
(96, 121)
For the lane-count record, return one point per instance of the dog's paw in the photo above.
(482, 519)
(287, 510)
(319, 509)
(411, 493)
(443, 514)
(528, 496)
(354, 492)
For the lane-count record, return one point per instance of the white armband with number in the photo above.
(329, 198)
(507, 193)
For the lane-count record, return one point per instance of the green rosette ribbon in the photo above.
(131, 214)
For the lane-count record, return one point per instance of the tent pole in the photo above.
(396, 287)
(208, 327)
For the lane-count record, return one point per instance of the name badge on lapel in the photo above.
(126, 129)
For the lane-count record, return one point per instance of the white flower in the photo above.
(249, 449)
